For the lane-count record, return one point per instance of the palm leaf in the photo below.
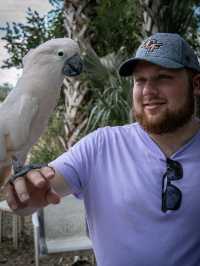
(110, 94)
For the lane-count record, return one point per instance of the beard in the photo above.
(168, 121)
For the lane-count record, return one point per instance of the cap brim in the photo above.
(127, 68)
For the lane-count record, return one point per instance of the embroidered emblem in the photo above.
(151, 45)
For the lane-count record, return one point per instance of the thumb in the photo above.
(52, 197)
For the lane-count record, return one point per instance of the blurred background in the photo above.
(15, 11)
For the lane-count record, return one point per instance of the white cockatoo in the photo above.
(25, 111)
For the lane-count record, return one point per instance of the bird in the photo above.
(25, 112)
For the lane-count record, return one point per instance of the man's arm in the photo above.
(58, 183)
(37, 189)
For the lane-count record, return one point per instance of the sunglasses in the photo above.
(171, 195)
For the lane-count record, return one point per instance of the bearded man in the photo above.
(140, 182)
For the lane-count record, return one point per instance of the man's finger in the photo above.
(52, 197)
(21, 189)
(11, 197)
(48, 172)
(36, 178)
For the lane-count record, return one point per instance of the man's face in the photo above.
(162, 98)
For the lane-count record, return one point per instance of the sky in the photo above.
(15, 11)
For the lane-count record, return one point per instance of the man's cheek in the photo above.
(137, 102)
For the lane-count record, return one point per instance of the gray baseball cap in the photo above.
(168, 50)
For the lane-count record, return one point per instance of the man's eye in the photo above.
(139, 80)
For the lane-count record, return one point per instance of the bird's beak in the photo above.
(73, 66)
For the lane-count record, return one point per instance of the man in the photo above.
(140, 182)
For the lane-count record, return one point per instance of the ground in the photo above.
(24, 255)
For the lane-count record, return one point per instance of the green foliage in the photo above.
(115, 24)
(110, 102)
(176, 15)
(192, 33)
(48, 146)
(37, 29)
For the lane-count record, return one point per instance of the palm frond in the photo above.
(168, 15)
(110, 94)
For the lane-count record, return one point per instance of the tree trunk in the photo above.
(166, 16)
(76, 25)
(150, 12)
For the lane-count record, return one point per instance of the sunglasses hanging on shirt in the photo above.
(171, 195)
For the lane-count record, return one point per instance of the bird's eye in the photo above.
(60, 53)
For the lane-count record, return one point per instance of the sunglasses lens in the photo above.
(174, 170)
(171, 195)
(171, 198)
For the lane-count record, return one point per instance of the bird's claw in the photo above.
(22, 171)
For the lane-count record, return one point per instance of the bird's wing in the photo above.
(28, 108)
(20, 129)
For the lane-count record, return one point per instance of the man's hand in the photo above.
(32, 191)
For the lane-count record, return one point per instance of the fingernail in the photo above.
(50, 172)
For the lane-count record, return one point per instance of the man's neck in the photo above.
(169, 143)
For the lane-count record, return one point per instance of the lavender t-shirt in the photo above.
(118, 172)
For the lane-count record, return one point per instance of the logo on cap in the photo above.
(151, 45)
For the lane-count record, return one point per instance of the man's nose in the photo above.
(150, 88)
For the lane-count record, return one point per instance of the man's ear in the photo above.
(196, 84)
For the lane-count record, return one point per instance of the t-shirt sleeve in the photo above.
(78, 163)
